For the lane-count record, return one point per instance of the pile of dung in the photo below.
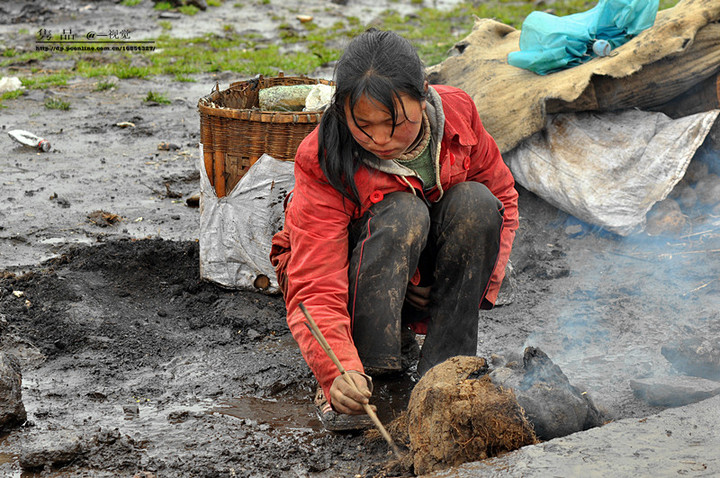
(456, 414)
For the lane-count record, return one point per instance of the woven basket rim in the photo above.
(255, 114)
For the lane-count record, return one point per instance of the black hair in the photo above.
(381, 65)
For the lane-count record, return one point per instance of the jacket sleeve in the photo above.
(490, 169)
(317, 220)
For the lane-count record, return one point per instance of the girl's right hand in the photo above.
(345, 399)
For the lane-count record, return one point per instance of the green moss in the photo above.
(130, 3)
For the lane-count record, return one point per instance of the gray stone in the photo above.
(554, 406)
(12, 410)
(574, 230)
(50, 448)
(698, 356)
(674, 391)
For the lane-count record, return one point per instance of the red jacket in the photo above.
(311, 253)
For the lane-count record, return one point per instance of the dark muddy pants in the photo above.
(454, 243)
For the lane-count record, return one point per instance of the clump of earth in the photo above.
(133, 365)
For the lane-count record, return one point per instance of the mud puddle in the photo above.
(288, 414)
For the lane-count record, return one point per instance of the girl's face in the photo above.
(372, 126)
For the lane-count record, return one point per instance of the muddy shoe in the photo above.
(338, 422)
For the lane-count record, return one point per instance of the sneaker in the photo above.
(338, 422)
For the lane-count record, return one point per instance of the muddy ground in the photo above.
(132, 364)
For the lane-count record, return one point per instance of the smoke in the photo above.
(630, 296)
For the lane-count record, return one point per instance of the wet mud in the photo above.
(132, 365)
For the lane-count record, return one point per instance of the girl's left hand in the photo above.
(418, 296)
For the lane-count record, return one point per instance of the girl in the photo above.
(403, 215)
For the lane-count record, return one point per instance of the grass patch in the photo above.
(13, 57)
(130, 3)
(57, 104)
(188, 10)
(301, 51)
(45, 81)
(105, 85)
(156, 98)
(9, 95)
(165, 25)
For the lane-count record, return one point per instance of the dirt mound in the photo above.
(456, 415)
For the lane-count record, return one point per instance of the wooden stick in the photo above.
(326, 347)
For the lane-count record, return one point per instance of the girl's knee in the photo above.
(406, 215)
(476, 203)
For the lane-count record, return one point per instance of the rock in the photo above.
(27, 354)
(164, 15)
(51, 448)
(574, 230)
(193, 201)
(553, 406)
(674, 391)
(698, 357)
(665, 218)
(456, 414)
(508, 288)
(708, 190)
(201, 4)
(165, 146)
(144, 474)
(103, 218)
(12, 410)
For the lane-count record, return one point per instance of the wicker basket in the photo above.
(235, 133)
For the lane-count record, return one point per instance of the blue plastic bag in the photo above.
(549, 43)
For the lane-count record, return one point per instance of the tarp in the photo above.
(680, 50)
(549, 43)
(609, 169)
(236, 230)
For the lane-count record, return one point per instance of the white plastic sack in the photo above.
(10, 83)
(609, 169)
(236, 230)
